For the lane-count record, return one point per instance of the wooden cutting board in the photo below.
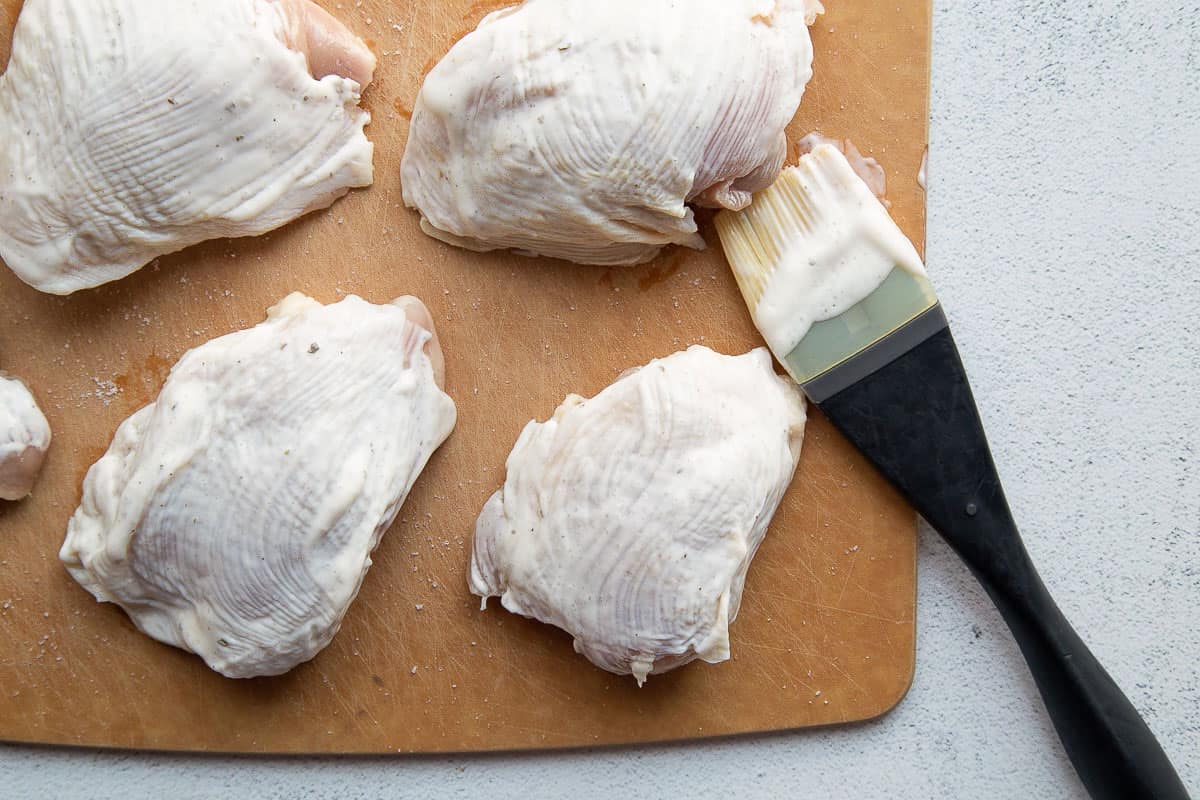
(826, 631)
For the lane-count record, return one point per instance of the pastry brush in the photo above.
(843, 300)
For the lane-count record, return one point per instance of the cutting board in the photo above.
(826, 630)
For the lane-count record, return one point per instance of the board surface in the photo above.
(826, 631)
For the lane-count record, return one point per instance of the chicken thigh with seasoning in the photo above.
(24, 439)
(629, 520)
(581, 129)
(235, 516)
(134, 128)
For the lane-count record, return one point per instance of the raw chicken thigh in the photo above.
(630, 520)
(235, 516)
(134, 128)
(581, 129)
(24, 439)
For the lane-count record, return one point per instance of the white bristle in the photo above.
(792, 209)
(814, 245)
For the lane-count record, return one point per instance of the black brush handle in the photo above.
(916, 420)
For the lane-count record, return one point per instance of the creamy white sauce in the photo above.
(134, 128)
(837, 244)
(582, 130)
(630, 519)
(869, 169)
(24, 439)
(235, 516)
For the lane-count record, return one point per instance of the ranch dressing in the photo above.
(835, 245)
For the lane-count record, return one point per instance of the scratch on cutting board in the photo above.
(808, 686)
(764, 647)
(365, 711)
(351, 711)
(784, 600)
(543, 688)
(375, 613)
(846, 582)
(808, 571)
(867, 590)
(832, 662)
(880, 617)
(543, 732)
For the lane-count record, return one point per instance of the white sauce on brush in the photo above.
(840, 246)
(865, 167)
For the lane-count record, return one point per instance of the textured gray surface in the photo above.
(1065, 240)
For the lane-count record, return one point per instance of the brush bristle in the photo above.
(787, 212)
(824, 270)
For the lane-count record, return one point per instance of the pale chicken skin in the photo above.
(130, 129)
(329, 47)
(235, 516)
(24, 438)
(630, 519)
(585, 130)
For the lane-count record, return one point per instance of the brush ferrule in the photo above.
(870, 360)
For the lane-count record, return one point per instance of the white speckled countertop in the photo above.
(1065, 242)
